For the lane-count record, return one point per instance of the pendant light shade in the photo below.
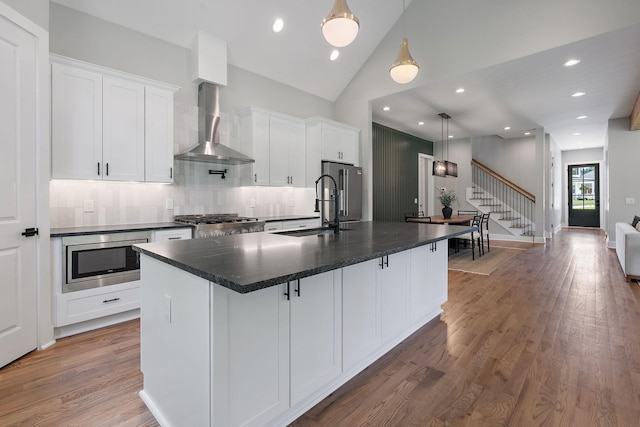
(405, 68)
(341, 26)
(439, 168)
(451, 168)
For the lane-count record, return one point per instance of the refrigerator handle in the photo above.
(342, 179)
(346, 193)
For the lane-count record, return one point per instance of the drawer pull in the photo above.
(107, 301)
(174, 238)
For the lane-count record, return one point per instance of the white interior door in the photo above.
(18, 264)
(425, 184)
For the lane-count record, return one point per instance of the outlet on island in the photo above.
(88, 205)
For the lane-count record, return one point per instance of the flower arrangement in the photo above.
(447, 198)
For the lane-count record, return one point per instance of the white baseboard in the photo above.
(89, 325)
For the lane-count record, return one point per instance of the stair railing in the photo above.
(506, 200)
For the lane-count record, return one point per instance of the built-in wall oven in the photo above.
(98, 260)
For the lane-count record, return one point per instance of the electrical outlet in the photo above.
(415, 201)
(252, 203)
(631, 201)
(88, 205)
(168, 204)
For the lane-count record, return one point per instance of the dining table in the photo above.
(439, 219)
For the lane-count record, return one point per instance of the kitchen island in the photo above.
(255, 329)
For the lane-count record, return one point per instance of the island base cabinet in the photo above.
(316, 333)
(174, 344)
(250, 356)
(428, 280)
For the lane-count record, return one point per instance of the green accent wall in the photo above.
(395, 172)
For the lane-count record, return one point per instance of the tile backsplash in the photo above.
(194, 191)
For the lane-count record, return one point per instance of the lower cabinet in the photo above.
(274, 347)
(361, 312)
(212, 356)
(428, 280)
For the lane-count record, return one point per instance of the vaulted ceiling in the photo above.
(523, 94)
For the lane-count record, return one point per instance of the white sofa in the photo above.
(628, 249)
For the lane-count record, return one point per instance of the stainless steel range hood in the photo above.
(209, 149)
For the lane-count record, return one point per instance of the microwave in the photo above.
(96, 260)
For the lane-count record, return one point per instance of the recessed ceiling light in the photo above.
(420, 123)
(278, 25)
(386, 108)
(577, 94)
(450, 136)
(577, 134)
(334, 54)
(571, 62)
(459, 90)
(527, 133)
(507, 128)
(581, 117)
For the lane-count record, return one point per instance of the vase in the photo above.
(447, 211)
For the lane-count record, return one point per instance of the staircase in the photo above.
(510, 206)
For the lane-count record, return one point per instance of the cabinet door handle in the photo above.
(287, 294)
(171, 173)
(107, 301)
(381, 265)
(298, 288)
(255, 177)
(174, 238)
(98, 168)
(107, 166)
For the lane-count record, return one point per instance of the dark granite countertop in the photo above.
(253, 261)
(286, 217)
(106, 229)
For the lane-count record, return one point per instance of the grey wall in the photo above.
(624, 152)
(395, 172)
(36, 11)
(511, 158)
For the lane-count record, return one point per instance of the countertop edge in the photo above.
(274, 281)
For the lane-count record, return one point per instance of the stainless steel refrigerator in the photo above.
(349, 181)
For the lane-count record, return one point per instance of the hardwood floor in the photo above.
(550, 338)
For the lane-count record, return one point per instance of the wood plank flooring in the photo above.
(550, 338)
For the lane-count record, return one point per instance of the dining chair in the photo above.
(408, 215)
(484, 231)
(473, 237)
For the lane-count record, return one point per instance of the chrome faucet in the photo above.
(336, 224)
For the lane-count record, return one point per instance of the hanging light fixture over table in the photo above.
(440, 166)
(341, 26)
(445, 167)
(404, 69)
(451, 168)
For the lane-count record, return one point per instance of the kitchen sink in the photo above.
(310, 232)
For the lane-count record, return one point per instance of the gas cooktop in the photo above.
(212, 219)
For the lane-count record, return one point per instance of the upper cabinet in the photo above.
(110, 126)
(328, 140)
(277, 144)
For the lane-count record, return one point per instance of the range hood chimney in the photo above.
(209, 149)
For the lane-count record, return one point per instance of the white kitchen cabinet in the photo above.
(254, 139)
(328, 140)
(76, 125)
(108, 125)
(250, 356)
(272, 226)
(172, 234)
(392, 275)
(361, 328)
(277, 144)
(158, 125)
(428, 280)
(315, 332)
(123, 130)
(300, 224)
(286, 151)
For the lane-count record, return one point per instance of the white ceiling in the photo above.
(527, 93)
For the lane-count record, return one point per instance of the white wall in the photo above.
(512, 158)
(555, 187)
(485, 39)
(623, 153)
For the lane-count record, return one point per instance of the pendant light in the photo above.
(341, 26)
(404, 69)
(439, 166)
(451, 168)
